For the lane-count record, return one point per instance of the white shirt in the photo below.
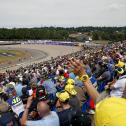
(119, 87)
(51, 120)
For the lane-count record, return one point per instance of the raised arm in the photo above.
(79, 70)
(25, 114)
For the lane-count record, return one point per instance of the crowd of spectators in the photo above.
(85, 88)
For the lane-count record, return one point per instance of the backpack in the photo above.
(9, 119)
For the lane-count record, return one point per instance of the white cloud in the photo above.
(115, 6)
(30, 13)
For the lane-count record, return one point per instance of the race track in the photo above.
(38, 52)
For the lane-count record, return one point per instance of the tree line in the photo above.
(60, 33)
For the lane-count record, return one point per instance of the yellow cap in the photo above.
(70, 81)
(63, 96)
(111, 112)
(120, 70)
(70, 89)
(61, 78)
(120, 64)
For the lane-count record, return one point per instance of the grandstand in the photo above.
(9, 42)
(50, 42)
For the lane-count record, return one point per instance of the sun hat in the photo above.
(62, 96)
(111, 112)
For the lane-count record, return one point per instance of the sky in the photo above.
(64, 13)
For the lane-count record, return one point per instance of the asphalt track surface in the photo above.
(39, 53)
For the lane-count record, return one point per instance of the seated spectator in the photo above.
(106, 75)
(73, 101)
(76, 82)
(69, 116)
(50, 88)
(48, 118)
(119, 63)
(7, 117)
(14, 101)
(81, 95)
(118, 87)
(3, 95)
(18, 87)
(65, 115)
(24, 96)
(110, 111)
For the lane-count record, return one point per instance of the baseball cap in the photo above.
(41, 93)
(66, 75)
(120, 70)
(70, 81)
(63, 96)
(61, 79)
(70, 89)
(111, 112)
(120, 64)
(10, 88)
(12, 83)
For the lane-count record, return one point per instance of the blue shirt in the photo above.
(49, 86)
(72, 76)
(18, 89)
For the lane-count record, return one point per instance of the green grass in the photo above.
(17, 55)
(100, 41)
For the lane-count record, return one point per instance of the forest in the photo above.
(60, 33)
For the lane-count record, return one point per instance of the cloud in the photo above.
(115, 6)
(31, 13)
